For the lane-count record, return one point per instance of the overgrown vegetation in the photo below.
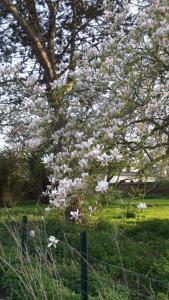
(128, 257)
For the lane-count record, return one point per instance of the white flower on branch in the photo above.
(83, 163)
(102, 186)
(104, 159)
(94, 153)
(47, 159)
(75, 215)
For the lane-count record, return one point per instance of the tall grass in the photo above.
(49, 273)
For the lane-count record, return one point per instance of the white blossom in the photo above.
(75, 215)
(48, 208)
(52, 241)
(104, 159)
(102, 186)
(141, 206)
(48, 158)
(32, 233)
(83, 163)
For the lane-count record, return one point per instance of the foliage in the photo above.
(13, 177)
(22, 175)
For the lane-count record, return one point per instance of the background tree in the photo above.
(38, 179)
(14, 177)
(22, 178)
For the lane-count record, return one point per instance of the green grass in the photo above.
(128, 257)
(160, 210)
(110, 212)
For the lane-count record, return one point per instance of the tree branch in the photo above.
(35, 40)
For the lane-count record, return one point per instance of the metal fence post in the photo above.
(84, 267)
(24, 234)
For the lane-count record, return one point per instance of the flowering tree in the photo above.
(45, 38)
(118, 113)
(115, 117)
(40, 44)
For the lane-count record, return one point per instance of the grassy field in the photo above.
(159, 210)
(128, 257)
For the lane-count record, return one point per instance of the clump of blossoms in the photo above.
(74, 172)
(28, 111)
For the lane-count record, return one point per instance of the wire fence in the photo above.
(90, 275)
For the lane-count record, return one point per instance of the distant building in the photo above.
(132, 176)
